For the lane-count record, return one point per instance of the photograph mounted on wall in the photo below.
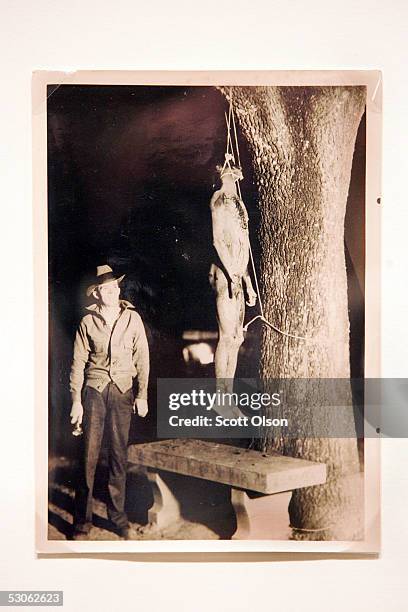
(207, 260)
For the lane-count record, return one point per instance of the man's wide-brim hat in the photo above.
(104, 275)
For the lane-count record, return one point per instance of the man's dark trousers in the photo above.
(109, 411)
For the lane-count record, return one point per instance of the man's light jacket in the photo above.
(103, 355)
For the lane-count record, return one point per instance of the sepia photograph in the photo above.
(209, 269)
(205, 320)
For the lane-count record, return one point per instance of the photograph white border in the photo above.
(373, 81)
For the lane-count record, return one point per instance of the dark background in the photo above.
(131, 170)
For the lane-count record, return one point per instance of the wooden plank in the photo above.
(241, 468)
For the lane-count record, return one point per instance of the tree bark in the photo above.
(301, 141)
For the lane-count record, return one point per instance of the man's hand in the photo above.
(77, 413)
(141, 406)
(251, 297)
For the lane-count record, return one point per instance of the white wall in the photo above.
(257, 34)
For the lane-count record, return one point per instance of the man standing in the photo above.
(110, 351)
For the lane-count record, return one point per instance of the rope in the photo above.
(311, 530)
(228, 156)
(236, 137)
(229, 140)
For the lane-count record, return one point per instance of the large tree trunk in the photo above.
(302, 141)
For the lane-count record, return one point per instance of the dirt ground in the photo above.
(205, 508)
(212, 519)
